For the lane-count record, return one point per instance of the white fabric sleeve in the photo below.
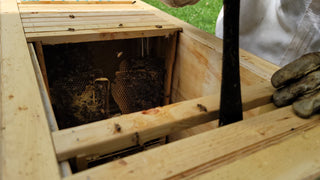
(278, 30)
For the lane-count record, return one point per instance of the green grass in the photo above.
(202, 15)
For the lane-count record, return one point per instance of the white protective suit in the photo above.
(279, 31)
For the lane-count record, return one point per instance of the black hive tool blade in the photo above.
(230, 98)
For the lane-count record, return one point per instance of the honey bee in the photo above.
(117, 127)
(119, 54)
(202, 108)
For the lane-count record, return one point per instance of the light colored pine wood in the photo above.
(59, 21)
(36, 8)
(169, 64)
(64, 166)
(76, 2)
(100, 34)
(214, 124)
(198, 61)
(296, 158)
(197, 70)
(26, 145)
(140, 127)
(42, 64)
(94, 26)
(206, 151)
(87, 14)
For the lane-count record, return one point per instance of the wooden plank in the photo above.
(42, 64)
(296, 158)
(95, 26)
(197, 70)
(26, 145)
(35, 22)
(96, 20)
(64, 166)
(140, 127)
(205, 151)
(36, 8)
(88, 14)
(75, 2)
(215, 124)
(169, 64)
(100, 34)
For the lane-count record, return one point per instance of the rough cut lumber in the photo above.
(27, 150)
(296, 158)
(206, 151)
(138, 128)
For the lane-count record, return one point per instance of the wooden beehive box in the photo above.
(270, 143)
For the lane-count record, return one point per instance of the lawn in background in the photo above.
(202, 15)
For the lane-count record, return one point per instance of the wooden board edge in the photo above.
(205, 151)
(103, 35)
(138, 128)
(295, 158)
(25, 134)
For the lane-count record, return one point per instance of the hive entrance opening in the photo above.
(99, 80)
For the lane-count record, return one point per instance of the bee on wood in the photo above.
(117, 127)
(202, 108)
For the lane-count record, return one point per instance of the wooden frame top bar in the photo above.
(63, 23)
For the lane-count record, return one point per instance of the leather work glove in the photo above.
(179, 3)
(299, 83)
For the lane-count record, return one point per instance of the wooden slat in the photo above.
(95, 26)
(36, 22)
(26, 145)
(296, 158)
(140, 127)
(52, 8)
(206, 151)
(88, 14)
(169, 64)
(96, 20)
(42, 64)
(100, 34)
(74, 2)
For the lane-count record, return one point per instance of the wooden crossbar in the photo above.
(206, 151)
(138, 128)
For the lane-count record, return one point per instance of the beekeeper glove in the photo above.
(179, 3)
(299, 82)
